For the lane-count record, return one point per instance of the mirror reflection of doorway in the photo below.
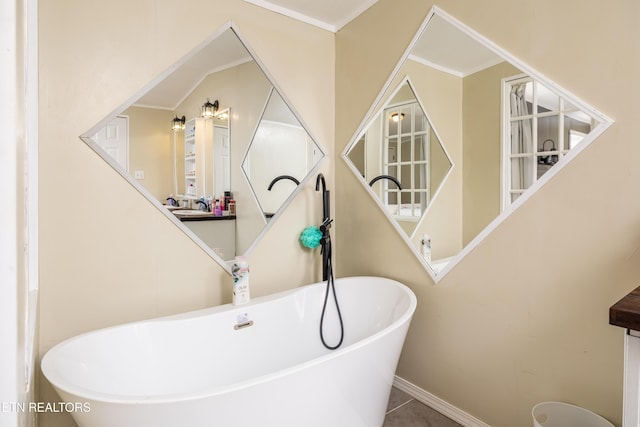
(221, 160)
(114, 140)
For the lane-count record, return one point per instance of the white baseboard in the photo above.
(433, 401)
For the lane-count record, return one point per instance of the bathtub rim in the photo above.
(89, 394)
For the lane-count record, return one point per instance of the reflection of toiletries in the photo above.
(232, 207)
(191, 190)
(425, 243)
(240, 273)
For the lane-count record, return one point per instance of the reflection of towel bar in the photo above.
(243, 325)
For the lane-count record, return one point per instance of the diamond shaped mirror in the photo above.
(181, 141)
(401, 158)
(280, 155)
(492, 130)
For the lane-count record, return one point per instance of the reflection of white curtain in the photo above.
(521, 139)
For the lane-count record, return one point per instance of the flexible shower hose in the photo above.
(330, 285)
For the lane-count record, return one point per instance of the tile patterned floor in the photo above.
(405, 411)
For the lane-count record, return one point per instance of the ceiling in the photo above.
(328, 14)
(217, 54)
(460, 55)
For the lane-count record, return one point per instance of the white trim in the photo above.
(353, 15)
(295, 15)
(9, 57)
(434, 402)
(435, 66)
(631, 384)
(453, 72)
(31, 197)
(299, 16)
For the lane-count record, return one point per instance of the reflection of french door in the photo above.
(221, 161)
(406, 142)
(114, 140)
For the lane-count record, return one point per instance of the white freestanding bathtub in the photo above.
(257, 365)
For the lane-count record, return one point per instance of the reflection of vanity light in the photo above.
(177, 124)
(396, 117)
(209, 109)
(223, 115)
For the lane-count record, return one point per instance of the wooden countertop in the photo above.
(626, 312)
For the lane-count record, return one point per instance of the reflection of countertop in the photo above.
(626, 312)
(203, 216)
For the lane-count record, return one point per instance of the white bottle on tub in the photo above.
(240, 274)
(425, 244)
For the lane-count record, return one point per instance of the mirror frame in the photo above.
(86, 137)
(384, 94)
(248, 150)
(406, 80)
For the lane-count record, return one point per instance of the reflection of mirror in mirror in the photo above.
(500, 124)
(280, 156)
(402, 159)
(201, 159)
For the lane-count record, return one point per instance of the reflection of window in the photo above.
(540, 128)
(575, 138)
(406, 157)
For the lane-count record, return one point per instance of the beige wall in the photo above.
(114, 257)
(482, 100)
(524, 317)
(151, 149)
